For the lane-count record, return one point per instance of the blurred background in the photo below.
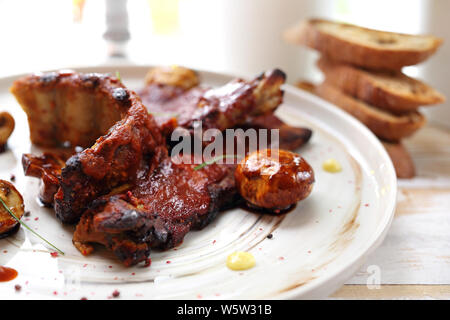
(241, 37)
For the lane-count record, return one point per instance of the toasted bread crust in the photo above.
(401, 159)
(377, 53)
(306, 86)
(394, 92)
(403, 163)
(383, 124)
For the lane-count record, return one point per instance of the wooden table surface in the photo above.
(413, 262)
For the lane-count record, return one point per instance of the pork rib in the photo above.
(47, 167)
(68, 107)
(129, 194)
(131, 145)
(158, 211)
(80, 109)
(173, 95)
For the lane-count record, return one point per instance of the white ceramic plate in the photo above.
(314, 250)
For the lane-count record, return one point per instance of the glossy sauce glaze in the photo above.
(274, 181)
(7, 274)
(159, 210)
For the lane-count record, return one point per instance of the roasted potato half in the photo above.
(172, 76)
(6, 128)
(13, 199)
(274, 179)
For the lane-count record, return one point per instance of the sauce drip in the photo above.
(7, 274)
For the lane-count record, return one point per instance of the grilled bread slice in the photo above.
(392, 91)
(383, 124)
(363, 47)
(306, 86)
(403, 163)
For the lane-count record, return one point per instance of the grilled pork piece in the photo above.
(174, 97)
(71, 107)
(129, 194)
(237, 101)
(291, 138)
(46, 167)
(171, 95)
(158, 211)
(79, 109)
(115, 159)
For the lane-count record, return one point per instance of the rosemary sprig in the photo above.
(27, 227)
(118, 76)
(207, 163)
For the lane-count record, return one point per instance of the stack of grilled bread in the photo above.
(363, 76)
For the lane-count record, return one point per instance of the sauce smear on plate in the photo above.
(7, 274)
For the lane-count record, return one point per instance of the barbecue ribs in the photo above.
(67, 107)
(125, 191)
(158, 211)
(173, 95)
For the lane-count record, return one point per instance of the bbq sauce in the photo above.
(7, 274)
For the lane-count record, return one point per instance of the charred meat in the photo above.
(237, 101)
(290, 138)
(47, 167)
(124, 190)
(132, 144)
(90, 110)
(173, 96)
(221, 108)
(158, 211)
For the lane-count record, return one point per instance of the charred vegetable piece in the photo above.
(274, 179)
(13, 199)
(6, 128)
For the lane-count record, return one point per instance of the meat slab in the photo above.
(124, 191)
